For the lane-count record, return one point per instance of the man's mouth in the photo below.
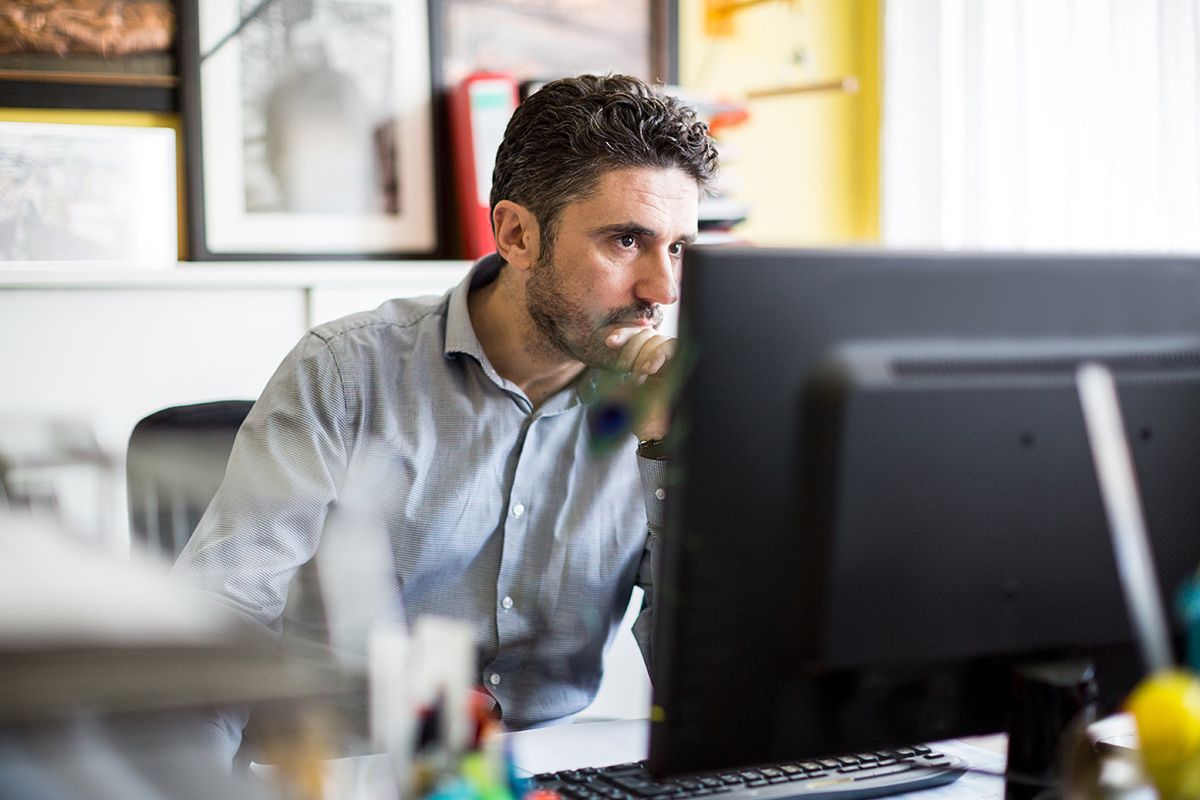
(647, 320)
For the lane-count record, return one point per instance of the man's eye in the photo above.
(676, 248)
(627, 240)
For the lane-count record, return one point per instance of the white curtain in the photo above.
(1042, 125)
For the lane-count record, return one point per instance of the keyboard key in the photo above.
(642, 788)
(632, 766)
(882, 772)
(922, 749)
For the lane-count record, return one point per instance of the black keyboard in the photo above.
(904, 769)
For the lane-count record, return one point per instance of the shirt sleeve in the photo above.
(265, 520)
(654, 482)
(283, 475)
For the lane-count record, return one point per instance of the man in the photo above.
(464, 418)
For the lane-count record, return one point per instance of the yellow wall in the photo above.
(808, 165)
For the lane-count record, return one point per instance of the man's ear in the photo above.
(517, 233)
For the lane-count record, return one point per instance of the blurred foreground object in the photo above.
(109, 668)
(1166, 707)
(1166, 704)
(56, 472)
(82, 629)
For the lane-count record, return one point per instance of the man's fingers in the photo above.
(653, 355)
(631, 347)
(620, 336)
(645, 353)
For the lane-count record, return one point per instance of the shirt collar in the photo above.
(460, 334)
(461, 338)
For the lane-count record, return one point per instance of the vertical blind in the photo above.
(1042, 124)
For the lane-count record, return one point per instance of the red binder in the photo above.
(480, 108)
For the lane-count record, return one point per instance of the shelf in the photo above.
(241, 275)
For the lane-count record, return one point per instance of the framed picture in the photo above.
(80, 190)
(309, 128)
(88, 54)
(539, 40)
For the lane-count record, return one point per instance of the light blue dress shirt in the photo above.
(492, 511)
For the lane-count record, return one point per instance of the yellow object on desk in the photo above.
(1166, 707)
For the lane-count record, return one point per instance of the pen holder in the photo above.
(1051, 702)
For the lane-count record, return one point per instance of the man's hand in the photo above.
(645, 354)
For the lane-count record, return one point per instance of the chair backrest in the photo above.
(175, 464)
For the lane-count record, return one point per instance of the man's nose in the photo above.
(659, 279)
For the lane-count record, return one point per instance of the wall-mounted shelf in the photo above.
(234, 275)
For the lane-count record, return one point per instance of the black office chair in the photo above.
(175, 464)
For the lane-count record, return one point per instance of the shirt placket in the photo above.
(514, 603)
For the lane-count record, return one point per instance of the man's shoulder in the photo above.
(393, 322)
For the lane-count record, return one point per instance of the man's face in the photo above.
(615, 261)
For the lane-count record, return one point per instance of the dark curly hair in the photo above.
(569, 133)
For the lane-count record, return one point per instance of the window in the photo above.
(1042, 124)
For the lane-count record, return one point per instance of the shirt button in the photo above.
(518, 509)
(660, 493)
(507, 603)
(494, 679)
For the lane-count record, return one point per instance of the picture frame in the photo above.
(309, 127)
(88, 188)
(89, 54)
(540, 40)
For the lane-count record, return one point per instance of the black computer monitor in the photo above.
(883, 499)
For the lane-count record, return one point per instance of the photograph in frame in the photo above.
(540, 40)
(93, 42)
(310, 123)
(87, 194)
(89, 54)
